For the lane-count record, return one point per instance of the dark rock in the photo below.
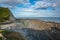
(55, 32)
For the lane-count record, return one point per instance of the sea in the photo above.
(50, 19)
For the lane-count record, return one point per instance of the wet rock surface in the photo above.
(30, 34)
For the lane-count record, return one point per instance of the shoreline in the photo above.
(33, 24)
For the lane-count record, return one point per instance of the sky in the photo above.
(32, 8)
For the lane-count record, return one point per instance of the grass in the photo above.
(4, 14)
(2, 31)
(10, 35)
(0, 38)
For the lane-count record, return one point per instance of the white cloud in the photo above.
(43, 4)
(38, 4)
(2, 5)
(55, 1)
(14, 2)
(28, 12)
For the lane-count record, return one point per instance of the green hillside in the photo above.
(4, 14)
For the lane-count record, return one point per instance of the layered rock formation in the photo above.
(38, 24)
(31, 34)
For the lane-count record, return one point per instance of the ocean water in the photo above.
(51, 19)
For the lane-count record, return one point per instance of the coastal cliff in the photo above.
(5, 15)
(25, 29)
(7, 21)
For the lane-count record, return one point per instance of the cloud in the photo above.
(6, 6)
(38, 4)
(13, 3)
(57, 2)
(43, 4)
(31, 10)
(28, 12)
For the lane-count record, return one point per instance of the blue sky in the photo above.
(32, 8)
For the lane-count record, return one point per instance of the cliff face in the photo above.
(6, 18)
(5, 15)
